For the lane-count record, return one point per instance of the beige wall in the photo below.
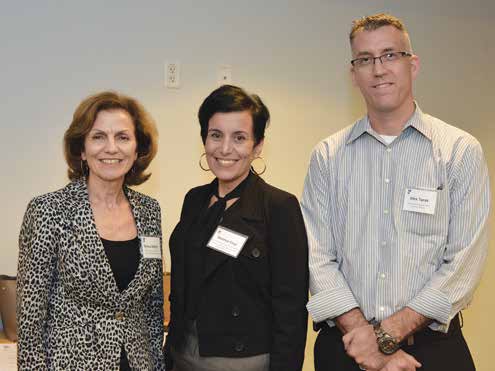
(293, 53)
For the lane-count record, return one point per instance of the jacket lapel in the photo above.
(89, 241)
(147, 267)
(250, 206)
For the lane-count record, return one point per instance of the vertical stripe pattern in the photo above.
(366, 251)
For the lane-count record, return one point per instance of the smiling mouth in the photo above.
(226, 162)
(382, 85)
(111, 161)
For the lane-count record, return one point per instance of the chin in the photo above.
(386, 107)
(223, 177)
(110, 177)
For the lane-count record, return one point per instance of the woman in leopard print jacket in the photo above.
(89, 287)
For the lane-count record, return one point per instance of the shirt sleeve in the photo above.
(36, 265)
(452, 286)
(330, 293)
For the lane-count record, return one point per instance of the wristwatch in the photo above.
(386, 342)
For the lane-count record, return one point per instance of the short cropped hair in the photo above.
(82, 123)
(375, 21)
(229, 98)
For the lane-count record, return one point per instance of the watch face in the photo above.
(388, 345)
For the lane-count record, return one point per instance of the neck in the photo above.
(109, 194)
(391, 123)
(225, 188)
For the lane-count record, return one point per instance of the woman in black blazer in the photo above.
(239, 281)
(89, 285)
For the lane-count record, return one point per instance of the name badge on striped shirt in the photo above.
(420, 200)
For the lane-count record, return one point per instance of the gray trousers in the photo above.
(189, 359)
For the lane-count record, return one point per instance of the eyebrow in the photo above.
(99, 131)
(234, 133)
(367, 53)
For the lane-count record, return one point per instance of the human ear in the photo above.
(258, 147)
(415, 65)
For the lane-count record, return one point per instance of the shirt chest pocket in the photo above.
(422, 224)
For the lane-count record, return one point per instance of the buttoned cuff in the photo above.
(434, 304)
(329, 304)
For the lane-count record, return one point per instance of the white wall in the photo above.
(294, 54)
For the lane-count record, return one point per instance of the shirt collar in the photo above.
(418, 121)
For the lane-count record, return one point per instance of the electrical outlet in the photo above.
(172, 75)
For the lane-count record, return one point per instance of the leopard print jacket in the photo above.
(70, 313)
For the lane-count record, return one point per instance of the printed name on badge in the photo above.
(150, 247)
(227, 241)
(420, 200)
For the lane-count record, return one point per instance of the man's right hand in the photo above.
(360, 344)
(355, 328)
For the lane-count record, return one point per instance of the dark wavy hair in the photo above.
(230, 98)
(83, 120)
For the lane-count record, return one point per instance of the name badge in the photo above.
(420, 201)
(150, 247)
(227, 241)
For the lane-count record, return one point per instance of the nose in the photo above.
(111, 146)
(378, 67)
(226, 147)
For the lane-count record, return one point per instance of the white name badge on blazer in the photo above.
(420, 200)
(150, 247)
(227, 241)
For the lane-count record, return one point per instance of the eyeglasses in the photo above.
(384, 59)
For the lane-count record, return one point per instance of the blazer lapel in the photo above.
(147, 268)
(251, 208)
(88, 239)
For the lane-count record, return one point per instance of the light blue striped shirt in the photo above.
(366, 251)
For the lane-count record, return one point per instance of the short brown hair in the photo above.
(83, 120)
(375, 21)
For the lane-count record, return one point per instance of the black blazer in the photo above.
(254, 303)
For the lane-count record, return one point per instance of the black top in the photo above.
(255, 303)
(123, 257)
(197, 239)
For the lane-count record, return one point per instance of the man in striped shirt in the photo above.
(396, 210)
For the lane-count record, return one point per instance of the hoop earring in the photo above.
(201, 165)
(264, 166)
(84, 168)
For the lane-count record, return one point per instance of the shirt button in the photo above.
(387, 180)
(383, 276)
(384, 243)
(255, 253)
(239, 347)
(389, 150)
(385, 211)
(119, 316)
(236, 312)
(382, 309)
